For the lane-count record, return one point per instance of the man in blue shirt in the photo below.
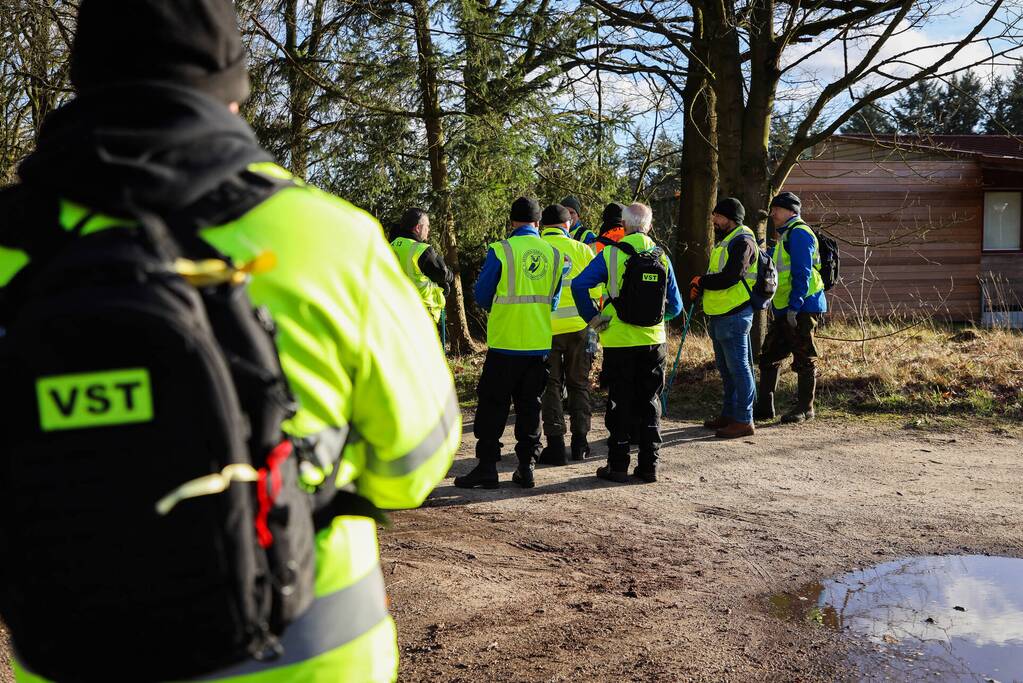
(519, 288)
(634, 355)
(799, 304)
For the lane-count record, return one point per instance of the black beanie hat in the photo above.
(572, 203)
(195, 43)
(555, 214)
(612, 216)
(731, 208)
(787, 200)
(525, 210)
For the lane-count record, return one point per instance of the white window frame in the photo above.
(1019, 225)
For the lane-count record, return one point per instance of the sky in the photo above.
(953, 20)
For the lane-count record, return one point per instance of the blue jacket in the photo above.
(490, 275)
(800, 248)
(596, 274)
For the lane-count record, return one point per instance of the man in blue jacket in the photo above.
(798, 306)
(519, 286)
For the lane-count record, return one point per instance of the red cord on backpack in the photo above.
(267, 497)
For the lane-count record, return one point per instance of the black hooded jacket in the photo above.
(155, 147)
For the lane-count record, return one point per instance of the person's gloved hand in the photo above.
(694, 288)
(790, 318)
(600, 322)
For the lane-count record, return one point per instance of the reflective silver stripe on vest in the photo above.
(556, 272)
(534, 299)
(509, 259)
(612, 276)
(331, 621)
(723, 256)
(511, 298)
(566, 312)
(780, 263)
(423, 451)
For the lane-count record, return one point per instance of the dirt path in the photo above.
(583, 580)
(579, 580)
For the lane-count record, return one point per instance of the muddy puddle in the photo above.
(953, 618)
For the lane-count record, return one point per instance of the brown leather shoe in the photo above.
(736, 430)
(719, 422)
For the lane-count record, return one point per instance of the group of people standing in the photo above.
(798, 303)
(553, 285)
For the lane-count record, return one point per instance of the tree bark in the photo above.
(699, 160)
(728, 84)
(756, 191)
(460, 338)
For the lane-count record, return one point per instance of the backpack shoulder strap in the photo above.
(624, 246)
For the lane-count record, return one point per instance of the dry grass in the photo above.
(931, 369)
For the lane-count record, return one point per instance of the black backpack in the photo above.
(767, 279)
(642, 297)
(123, 385)
(827, 251)
(830, 260)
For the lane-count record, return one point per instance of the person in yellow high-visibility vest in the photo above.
(570, 362)
(520, 284)
(726, 290)
(158, 84)
(634, 354)
(421, 262)
(799, 305)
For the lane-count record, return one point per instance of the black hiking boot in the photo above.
(607, 474)
(764, 409)
(580, 448)
(523, 476)
(647, 474)
(806, 389)
(484, 475)
(554, 453)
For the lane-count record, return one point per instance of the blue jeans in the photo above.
(730, 334)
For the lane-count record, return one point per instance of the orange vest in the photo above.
(614, 234)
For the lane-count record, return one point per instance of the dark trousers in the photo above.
(635, 377)
(782, 341)
(570, 368)
(508, 379)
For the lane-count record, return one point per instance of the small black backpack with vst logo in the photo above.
(151, 521)
(642, 297)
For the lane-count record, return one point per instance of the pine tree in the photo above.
(871, 120)
(961, 111)
(919, 109)
(1005, 105)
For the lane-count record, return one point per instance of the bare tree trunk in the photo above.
(299, 94)
(728, 84)
(754, 170)
(458, 325)
(699, 161)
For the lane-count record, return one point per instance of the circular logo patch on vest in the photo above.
(535, 264)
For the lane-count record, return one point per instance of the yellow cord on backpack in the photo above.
(208, 485)
(213, 272)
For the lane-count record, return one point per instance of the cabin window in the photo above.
(1002, 227)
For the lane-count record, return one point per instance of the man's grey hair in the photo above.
(637, 217)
